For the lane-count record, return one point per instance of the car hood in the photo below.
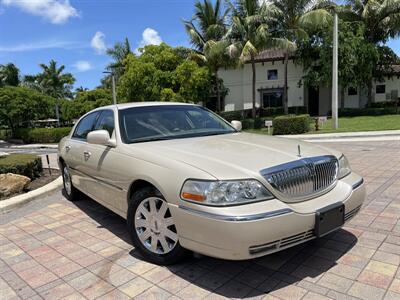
(233, 156)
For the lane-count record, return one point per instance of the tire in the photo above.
(154, 236)
(70, 192)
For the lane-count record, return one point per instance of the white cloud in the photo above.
(54, 11)
(40, 45)
(82, 66)
(98, 42)
(149, 37)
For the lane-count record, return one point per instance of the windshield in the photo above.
(164, 122)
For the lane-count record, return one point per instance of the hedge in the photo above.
(41, 135)
(261, 112)
(24, 164)
(291, 124)
(384, 104)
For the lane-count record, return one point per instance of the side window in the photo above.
(85, 126)
(106, 122)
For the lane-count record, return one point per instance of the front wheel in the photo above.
(152, 228)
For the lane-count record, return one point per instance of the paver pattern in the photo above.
(54, 249)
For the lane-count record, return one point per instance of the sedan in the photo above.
(186, 179)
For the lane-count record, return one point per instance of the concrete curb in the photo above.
(35, 146)
(17, 201)
(363, 134)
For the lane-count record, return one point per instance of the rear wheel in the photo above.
(152, 228)
(71, 193)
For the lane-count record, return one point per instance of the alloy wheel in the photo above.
(67, 180)
(154, 226)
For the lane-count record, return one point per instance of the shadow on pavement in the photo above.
(302, 264)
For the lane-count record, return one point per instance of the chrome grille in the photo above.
(303, 178)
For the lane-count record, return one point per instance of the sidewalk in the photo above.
(361, 136)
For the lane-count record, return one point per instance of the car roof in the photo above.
(143, 104)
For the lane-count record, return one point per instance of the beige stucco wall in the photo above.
(239, 83)
(239, 80)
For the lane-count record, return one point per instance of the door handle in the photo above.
(87, 154)
(67, 148)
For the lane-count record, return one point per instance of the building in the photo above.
(270, 83)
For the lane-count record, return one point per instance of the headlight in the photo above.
(222, 193)
(344, 167)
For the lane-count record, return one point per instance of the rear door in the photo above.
(75, 151)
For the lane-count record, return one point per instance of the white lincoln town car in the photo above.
(185, 179)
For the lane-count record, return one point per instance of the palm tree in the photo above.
(119, 52)
(208, 23)
(9, 75)
(53, 82)
(206, 31)
(291, 19)
(249, 35)
(381, 19)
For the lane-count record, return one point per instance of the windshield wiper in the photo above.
(153, 139)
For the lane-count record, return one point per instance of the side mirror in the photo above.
(237, 125)
(100, 137)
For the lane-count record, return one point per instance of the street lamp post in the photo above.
(335, 122)
(113, 86)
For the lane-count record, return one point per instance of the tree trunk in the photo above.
(218, 92)
(369, 96)
(253, 67)
(342, 90)
(285, 86)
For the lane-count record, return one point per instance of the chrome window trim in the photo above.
(245, 218)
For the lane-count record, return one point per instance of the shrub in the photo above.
(383, 104)
(232, 115)
(258, 123)
(248, 124)
(275, 111)
(354, 112)
(24, 164)
(291, 124)
(4, 134)
(42, 135)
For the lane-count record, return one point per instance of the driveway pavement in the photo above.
(54, 249)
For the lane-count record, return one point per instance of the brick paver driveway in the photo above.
(55, 249)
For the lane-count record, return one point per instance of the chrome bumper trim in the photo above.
(254, 217)
(358, 183)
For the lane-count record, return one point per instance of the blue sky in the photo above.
(76, 32)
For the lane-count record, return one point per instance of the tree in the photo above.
(52, 81)
(291, 19)
(19, 106)
(85, 101)
(206, 31)
(381, 19)
(9, 75)
(249, 35)
(163, 73)
(208, 23)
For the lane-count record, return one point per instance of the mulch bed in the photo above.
(44, 179)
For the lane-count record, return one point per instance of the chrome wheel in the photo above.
(154, 226)
(67, 181)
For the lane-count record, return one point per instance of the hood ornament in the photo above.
(298, 151)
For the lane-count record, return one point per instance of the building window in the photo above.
(272, 74)
(351, 91)
(272, 98)
(380, 89)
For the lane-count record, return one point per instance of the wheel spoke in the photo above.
(143, 211)
(164, 243)
(168, 221)
(141, 223)
(172, 235)
(163, 209)
(145, 235)
(152, 204)
(154, 243)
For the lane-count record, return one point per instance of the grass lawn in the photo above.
(352, 124)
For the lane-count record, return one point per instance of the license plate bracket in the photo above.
(329, 218)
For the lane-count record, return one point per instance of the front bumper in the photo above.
(253, 230)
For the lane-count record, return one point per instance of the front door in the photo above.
(313, 101)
